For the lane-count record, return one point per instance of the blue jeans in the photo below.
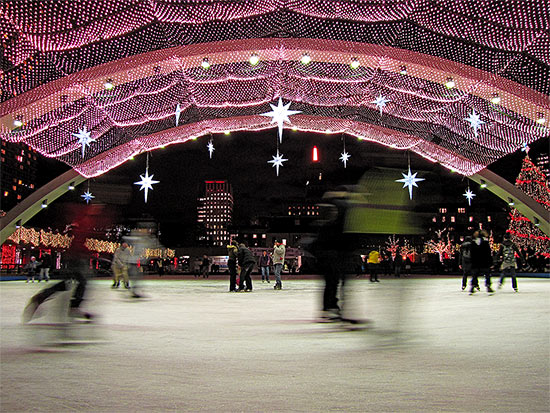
(277, 269)
(265, 273)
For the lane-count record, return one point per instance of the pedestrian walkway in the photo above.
(192, 346)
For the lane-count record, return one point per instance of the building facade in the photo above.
(18, 167)
(214, 213)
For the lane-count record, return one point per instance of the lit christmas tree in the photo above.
(523, 232)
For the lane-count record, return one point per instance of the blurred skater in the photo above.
(465, 262)
(121, 259)
(46, 264)
(205, 265)
(374, 264)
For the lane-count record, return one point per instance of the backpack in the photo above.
(508, 255)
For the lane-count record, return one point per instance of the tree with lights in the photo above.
(523, 232)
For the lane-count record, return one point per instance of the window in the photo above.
(442, 210)
(488, 218)
(453, 219)
(471, 219)
(461, 210)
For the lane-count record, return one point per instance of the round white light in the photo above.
(355, 64)
(205, 63)
(17, 123)
(495, 100)
(305, 59)
(108, 85)
(450, 83)
(254, 59)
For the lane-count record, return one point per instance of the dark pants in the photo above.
(333, 275)
(511, 272)
(478, 272)
(232, 266)
(246, 270)
(373, 269)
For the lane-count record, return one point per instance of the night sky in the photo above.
(241, 158)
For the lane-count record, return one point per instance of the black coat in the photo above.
(481, 254)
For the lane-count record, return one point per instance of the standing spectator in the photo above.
(31, 267)
(482, 260)
(507, 253)
(205, 264)
(246, 262)
(232, 250)
(466, 262)
(45, 267)
(278, 262)
(265, 262)
(373, 263)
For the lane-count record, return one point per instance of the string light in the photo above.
(155, 71)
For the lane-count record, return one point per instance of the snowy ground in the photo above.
(192, 346)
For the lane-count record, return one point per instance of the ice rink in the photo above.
(193, 346)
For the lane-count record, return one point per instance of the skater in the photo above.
(507, 254)
(205, 264)
(265, 262)
(246, 262)
(278, 262)
(397, 263)
(482, 260)
(232, 250)
(466, 262)
(46, 261)
(31, 267)
(77, 268)
(374, 263)
(121, 259)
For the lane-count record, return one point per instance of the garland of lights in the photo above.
(36, 238)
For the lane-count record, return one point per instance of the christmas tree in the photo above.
(523, 232)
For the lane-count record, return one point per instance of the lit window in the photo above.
(18, 196)
(442, 210)
(488, 218)
(453, 219)
(471, 219)
(6, 193)
(461, 210)
(20, 182)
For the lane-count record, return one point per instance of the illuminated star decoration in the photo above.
(525, 148)
(178, 113)
(87, 196)
(409, 180)
(84, 138)
(279, 114)
(344, 158)
(380, 103)
(146, 182)
(277, 161)
(469, 196)
(211, 148)
(475, 121)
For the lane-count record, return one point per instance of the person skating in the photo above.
(121, 260)
(246, 262)
(31, 267)
(507, 254)
(482, 260)
(466, 262)
(46, 264)
(232, 250)
(265, 262)
(278, 262)
(374, 264)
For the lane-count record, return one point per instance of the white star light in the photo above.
(380, 103)
(525, 148)
(84, 138)
(277, 161)
(279, 114)
(409, 180)
(178, 113)
(146, 182)
(475, 121)
(211, 148)
(344, 158)
(87, 196)
(469, 196)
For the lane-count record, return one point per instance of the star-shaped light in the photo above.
(87, 196)
(84, 138)
(279, 114)
(146, 183)
(211, 148)
(469, 196)
(344, 158)
(277, 161)
(525, 148)
(380, 102)
(178, 113)
(475, 121)
(409, 180)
